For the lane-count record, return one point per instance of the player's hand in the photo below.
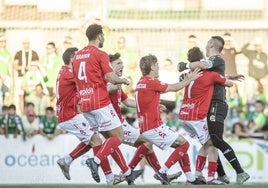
(181, 66)
(237, 77)
(162, 107)
(125, 81)
(194, 74)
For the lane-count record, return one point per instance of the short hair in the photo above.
(49, 109)
(28, 104)
(114, 57)
(93, 31)
(68, 54)
(12, 106)
(218, 42)
(194, 54)
(39, 85)
(5, 108)
(146, 62)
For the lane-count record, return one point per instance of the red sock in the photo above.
(153, 161)
(120, 160)
(200, 163)
(185, 163)
(80, 149)
(105, 165)
(177, 154)
(108, 147)
(139, 154)
(212, 168)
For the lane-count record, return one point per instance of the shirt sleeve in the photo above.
(157, 85)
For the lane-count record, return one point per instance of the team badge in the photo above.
(212, 118)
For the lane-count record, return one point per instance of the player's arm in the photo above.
(129, 102)
(188, 78)
(202, 64)
(228, 83)
(238, 77)
(113, 87)
(114, 79)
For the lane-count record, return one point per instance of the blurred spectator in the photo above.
(168, 74)
(229, 53)
(51, 63)
(257, 59)
(35, 75)
(240, 130)
(39, 99)
(192, 41)
(48, 124)
(30, 123)
(22, 63)
(172, 121)
(236, 106)
(4, 112)
(258, 119)
(257, 95)
(28, 106)
(129, 57)
(5, 71)
(13, 123)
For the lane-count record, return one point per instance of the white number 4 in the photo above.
(82, 71)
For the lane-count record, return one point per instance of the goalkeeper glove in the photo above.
(182, 66)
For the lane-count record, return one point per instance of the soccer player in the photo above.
(218, 106)
(147, 98)
(92, 70)
(71, 121)
(193, 111)
(132, 135)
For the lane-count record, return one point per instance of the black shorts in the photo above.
(217, 111)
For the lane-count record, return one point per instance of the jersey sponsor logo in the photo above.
(82, 56)
(87, 91)
(188, 105)
(141, 86)
(127, 133)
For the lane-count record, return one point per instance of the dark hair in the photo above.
(49, 109)
(68, 54)
(218, 42)
(52, 44)
(146, 62)
(194, 54)
(12, 106)
(93, 31)
(114, 57)
(4, 107)
(39, 85)
(260, 102)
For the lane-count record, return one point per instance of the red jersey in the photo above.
(116, 99)
(198, 94)
(66, 95)
(147, 97)
(90, 66)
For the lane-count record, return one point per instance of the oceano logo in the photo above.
(30, 160)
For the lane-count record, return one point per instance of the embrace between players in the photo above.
(89, 80)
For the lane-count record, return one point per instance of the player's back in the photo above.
(66, 94)
(198, 94)
(90, 66)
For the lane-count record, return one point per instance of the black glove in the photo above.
(181, 66)
(182, 76)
